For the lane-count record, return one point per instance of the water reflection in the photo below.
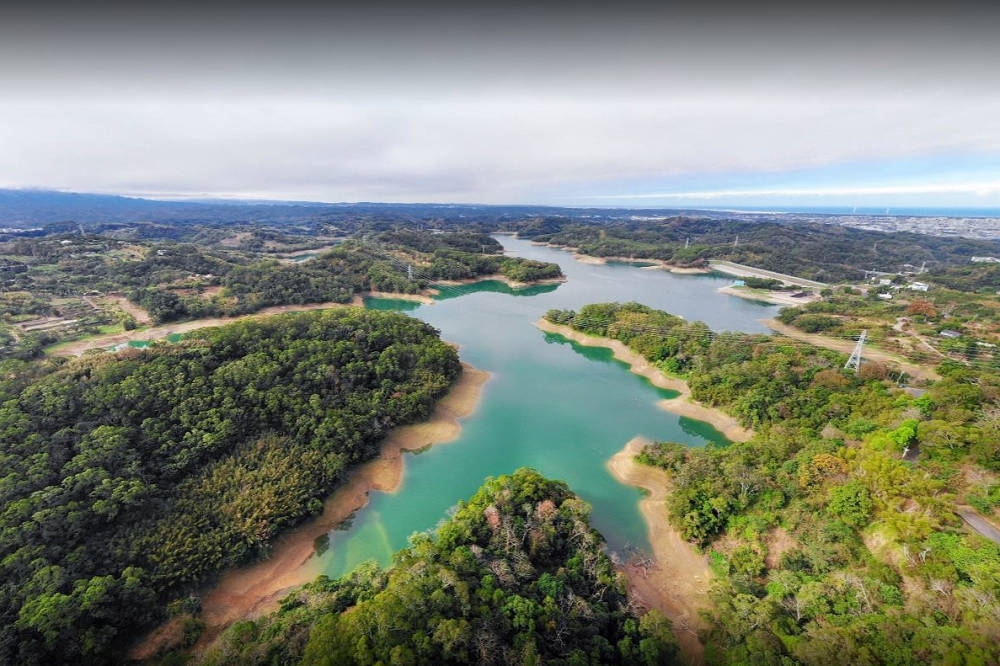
(551, 403)
(449, 291)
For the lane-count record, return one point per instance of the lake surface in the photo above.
(551, 404)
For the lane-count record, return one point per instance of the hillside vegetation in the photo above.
(910, 324)
(128, 478)
(834, 531)
(827, 253)
(57, 291)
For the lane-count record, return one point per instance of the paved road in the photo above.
(978, 523)
(740, 270)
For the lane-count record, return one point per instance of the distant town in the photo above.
(984, 228)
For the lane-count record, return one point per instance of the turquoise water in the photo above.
(551, 404)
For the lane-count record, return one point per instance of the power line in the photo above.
(776, 337)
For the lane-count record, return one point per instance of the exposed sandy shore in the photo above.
(416, 298)
(919, 372)
(685, 405)
(654, 264)
(775, 297)
(157, 332)
(677, 583)
(255, 590)
(682, 405)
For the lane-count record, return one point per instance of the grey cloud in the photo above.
(418, 103)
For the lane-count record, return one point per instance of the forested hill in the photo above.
(392, 262)
(58, 281)
(834, 532)
(515, 576)
(828, 253)
(125, 478)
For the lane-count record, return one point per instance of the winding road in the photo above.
(979, 523)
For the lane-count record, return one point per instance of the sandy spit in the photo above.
(255, 590)
(774, 297)
(416, 298)
(683, 405)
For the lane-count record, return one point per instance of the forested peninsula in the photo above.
(835, 532)
(515, 576)
(131, 477)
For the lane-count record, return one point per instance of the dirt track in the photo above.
(78, 347)
(846, 347)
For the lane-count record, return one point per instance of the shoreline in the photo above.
(161, 331)
(392, 295)
(654, 263)
(741, 270)
(682, 405)
(762, 295)
(677, 583)
(497, 277)
(256, 589)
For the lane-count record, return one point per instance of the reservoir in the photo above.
(549, 404)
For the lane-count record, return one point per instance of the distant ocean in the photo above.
(870, 211)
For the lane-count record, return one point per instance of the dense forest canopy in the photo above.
(515, 576)
(834, 532)
(127, 477)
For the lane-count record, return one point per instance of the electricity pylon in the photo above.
(855, 360)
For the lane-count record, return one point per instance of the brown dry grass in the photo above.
(847, 346)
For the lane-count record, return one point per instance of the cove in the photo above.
(551, 404)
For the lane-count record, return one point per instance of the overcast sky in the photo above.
(433, 103)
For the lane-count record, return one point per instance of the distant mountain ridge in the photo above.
(54, 211)
(28, 208)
